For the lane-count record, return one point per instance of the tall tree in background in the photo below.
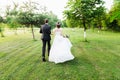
(11, 17)
(115, 11)
(99, 16)
(114, 15)
(27, 14)
(82, 11)
(52, 19)
(1, 26)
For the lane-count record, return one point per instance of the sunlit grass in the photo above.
(97, 59)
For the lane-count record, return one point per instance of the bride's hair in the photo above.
(58, 25)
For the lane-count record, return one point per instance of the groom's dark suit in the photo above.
(46, 31)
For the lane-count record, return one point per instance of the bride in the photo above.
(60, 49)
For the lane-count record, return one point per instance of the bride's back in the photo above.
(57, 31)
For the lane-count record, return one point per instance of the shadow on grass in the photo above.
(35, 40)
(87, 41)
(74, 62)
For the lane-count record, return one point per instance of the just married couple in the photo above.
(60, 51)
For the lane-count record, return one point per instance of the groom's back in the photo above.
(46, 31)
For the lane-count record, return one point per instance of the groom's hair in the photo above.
(46, 20)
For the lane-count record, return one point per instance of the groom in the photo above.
(45, 30)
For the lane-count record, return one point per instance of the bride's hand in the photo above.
(63, 36)
(67, 36)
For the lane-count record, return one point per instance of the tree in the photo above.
(26, 15)
(71, 21)
(82, 11)
(64, 23)
(99, 16)
(52, 19)
(11, 17)
(1, 27)
(114, 16)
(115, 11)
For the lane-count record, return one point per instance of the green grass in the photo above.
(96, 59)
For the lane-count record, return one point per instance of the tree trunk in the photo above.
(15, 30)
(2, 34)
(24, 29)
(84, 30)
(99, 24)
(32, 32)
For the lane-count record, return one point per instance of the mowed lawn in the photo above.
(96, 59)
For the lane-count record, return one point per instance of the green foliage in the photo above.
(52, 19)
(64, 23)
(99, 16)
(114, 16)
(72, 23)
(13, 22)
(1, 26)
(28, 15)
(39, 19)
(26, 18)
(1, 20)
(83, 11)
(115, 11)
(11, 16)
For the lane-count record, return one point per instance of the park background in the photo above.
(93, 30)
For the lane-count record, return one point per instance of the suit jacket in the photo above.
(46, 31)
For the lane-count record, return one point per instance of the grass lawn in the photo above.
(97, 59)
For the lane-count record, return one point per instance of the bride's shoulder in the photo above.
(61, 29)
(55, 30)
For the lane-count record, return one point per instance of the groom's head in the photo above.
(46, 20)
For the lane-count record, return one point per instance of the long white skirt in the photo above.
(60, 50)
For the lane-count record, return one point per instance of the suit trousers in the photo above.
(45, 42)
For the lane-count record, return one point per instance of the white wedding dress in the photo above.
(61, 48)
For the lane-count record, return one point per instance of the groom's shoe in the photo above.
(43, 60)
